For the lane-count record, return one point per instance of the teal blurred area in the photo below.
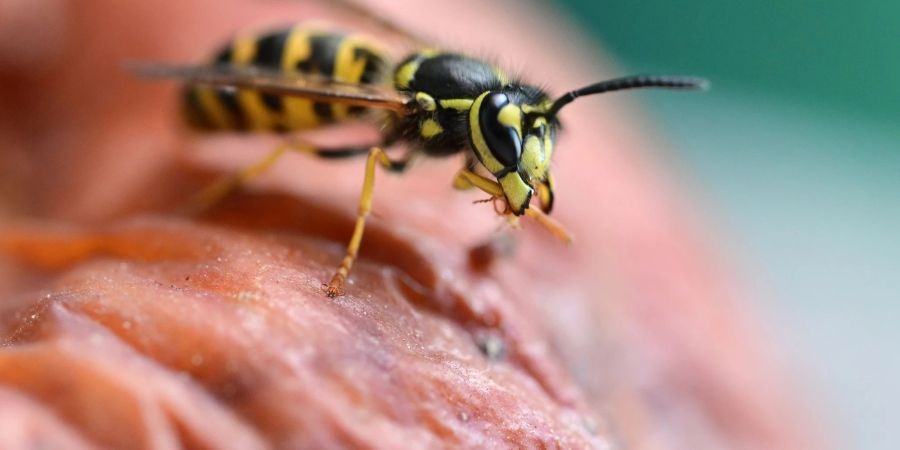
(795, 154)
(827, 53)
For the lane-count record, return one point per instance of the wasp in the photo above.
(436, 102)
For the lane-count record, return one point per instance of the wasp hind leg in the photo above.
(377, 157)
(221, 188)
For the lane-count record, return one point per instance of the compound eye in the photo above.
(501, 125)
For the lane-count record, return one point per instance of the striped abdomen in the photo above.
(346, 58)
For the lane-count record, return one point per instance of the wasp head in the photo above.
(513, 138)
(513, 132)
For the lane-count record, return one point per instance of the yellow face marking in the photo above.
(548, 147)
(481, 147)
(298, 113)
(430, 128)
(426, 101)
(532, 158)
(536, 153)
(511, 116)
(517, 192)
(548, 142)
(458, 104)
(530, 109)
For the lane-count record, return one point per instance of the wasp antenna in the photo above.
(632, 82)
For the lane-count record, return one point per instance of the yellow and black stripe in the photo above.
(302, 49)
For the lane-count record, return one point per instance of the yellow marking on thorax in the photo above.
(430, 128)
(407, 72)
(458, 104)
(258, 117)
(298, 112)
(426, 101)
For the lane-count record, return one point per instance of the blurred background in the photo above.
(796, 154)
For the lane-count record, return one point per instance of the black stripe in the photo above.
(193, 110)
(343, 152)
(270, 50)
(224, 56)
(230, 102)
(324, 48)
(374, 71)
(269, 54)
(229, 98)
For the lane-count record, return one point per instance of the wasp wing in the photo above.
(267, 81)
(357, 9)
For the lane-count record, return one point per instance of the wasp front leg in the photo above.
(377, 157)
(466, 179)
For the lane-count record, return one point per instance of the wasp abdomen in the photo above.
(301, 49)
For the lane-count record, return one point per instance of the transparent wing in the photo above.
(314, 87)
(357, 9)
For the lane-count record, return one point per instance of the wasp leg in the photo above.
(221, 188)
(376, 156)
(466, 179)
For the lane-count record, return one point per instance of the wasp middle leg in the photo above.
(377, 157)
(466, 179)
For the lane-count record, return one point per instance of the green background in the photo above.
(835, 54)
(795, 156)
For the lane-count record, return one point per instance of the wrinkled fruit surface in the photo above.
(125, 324)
